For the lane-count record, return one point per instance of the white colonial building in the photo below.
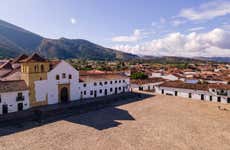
(205, 92)
(62, 78)
(103, 85)
(146, 84)
(43, 82)
(170, 77)
(65, 84)
(14, 96)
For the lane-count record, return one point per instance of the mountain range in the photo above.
(215, 59)
(15, 40)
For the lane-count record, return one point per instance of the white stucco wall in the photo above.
(146, 87)
(9, 99)
(196, 94)
(41, 90)
(220, 82)
(49, 87)
(167, 77)
(91, 87)
(61, 68)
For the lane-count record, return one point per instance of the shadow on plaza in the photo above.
(102, 119)
(101, 115)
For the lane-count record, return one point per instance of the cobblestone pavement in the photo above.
(159, 122)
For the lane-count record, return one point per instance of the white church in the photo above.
(31, 81)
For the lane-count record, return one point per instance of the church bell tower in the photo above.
(34, 68)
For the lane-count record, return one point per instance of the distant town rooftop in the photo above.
(196, 86)
(101, 77)
(146, 81)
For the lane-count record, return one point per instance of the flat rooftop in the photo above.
(159, 122)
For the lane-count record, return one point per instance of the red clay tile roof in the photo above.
(6, 65)
(101, 77)
(91, 72)
(220, 86)
(34, 58)
(182, 85)
(10, 72)
(95, 72)
(13, 86)
(19, 58)
(146, 81)
(4, 72)
(53, 63)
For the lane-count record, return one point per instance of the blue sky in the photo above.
(151, 27)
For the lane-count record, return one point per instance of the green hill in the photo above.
(15, 40)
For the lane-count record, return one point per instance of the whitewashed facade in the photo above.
(49, 88)
(14, 101)
(100, 87)
(57, 84)
(193, 94)
(78, 90)
(170, 77)
(146, 86)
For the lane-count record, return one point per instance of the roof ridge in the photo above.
(6, 65)
(35, 57)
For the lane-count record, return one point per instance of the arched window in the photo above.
(50, 67)
(35, 68)
(42, 68)
(57, 77)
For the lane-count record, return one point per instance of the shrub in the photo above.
(139, 75)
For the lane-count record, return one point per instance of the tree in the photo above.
(139, 75)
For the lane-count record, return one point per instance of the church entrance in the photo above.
(64, 93)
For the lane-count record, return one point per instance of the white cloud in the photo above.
(207, 11)
(154, 24)
(162, 20)
(178, 22)
(73, 21)
(196, 29)
(213, 43)
(137, 35)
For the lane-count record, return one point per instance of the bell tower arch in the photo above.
(34, 68)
